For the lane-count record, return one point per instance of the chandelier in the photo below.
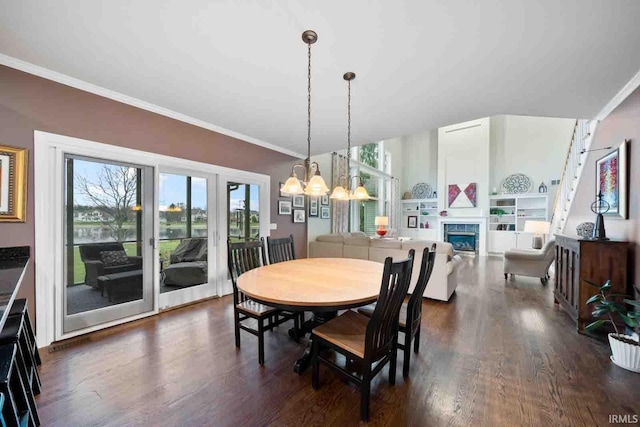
(340, 192)
(313, 184)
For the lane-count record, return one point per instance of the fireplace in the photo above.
(463, 237)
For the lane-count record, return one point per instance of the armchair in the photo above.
(95, 267)
(534, 263)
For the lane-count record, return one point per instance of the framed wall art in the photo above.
(298, 201)
(13, 184)
(324, 200)
(313, 207)
(612, 180)
(412, 221)
(325, 213)
(284, 207)
(298, 215)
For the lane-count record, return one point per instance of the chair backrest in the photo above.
(382, 329)
(242, 257)
(91, 252)
(414, 306)
(281, 250)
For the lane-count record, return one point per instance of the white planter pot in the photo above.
(625, 355)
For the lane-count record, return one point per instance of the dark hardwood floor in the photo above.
(498, 354)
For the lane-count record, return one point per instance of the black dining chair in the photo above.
(281, 249)
(242, 257)
(411, 310)
(366, 340)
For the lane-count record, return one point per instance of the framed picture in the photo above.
(298, 201)
(325, 212)
(281, 194)
(412, 221)
(13, 184)
(324, 200)
(298, 215)
(284, 207)
(612, 180)
(313, 207)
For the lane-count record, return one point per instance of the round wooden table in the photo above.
(320, 285)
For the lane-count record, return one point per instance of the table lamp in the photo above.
(381, 221)
(539, 229)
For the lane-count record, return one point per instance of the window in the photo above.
(374, 171)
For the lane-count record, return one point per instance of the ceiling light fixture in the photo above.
(340, 192)
(313, 184)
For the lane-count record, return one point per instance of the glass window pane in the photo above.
(369, 154)
(244, 212)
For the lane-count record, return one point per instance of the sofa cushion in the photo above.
(386, 243)
(358, 234)
(111, 258)
(330, 238)
(357, 241)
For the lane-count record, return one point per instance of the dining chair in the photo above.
(281, 249)
(242, 257)
(411, 310)
(366, 340)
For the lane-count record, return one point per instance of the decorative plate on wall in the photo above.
(421, 191)
(517, 183)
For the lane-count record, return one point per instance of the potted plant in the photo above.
(624, 348)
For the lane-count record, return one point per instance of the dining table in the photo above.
(322, 286)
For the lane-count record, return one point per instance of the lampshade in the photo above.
(537, 227)
(381, 220)
(360, 193)
(339, 193)
(316, 186)
(292, 186)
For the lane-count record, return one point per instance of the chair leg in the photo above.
(393, 361)
(407, 354)
(261, 341)
(315, 364)
(365, 392)
(236, 321)
(416, 340)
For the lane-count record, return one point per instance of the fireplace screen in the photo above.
(462, 241)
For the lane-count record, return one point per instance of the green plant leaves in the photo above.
(632, 302)
(595, 325)
(597, 297)
(632, 323)
(607, 285)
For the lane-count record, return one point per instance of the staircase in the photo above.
(573, 166)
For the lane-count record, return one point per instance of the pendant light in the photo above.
(313, 184)
(341, 193)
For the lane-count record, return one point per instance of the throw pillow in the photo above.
(111, 258)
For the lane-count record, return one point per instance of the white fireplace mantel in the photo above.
(481, 221)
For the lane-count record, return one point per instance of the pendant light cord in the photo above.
(349, 136)
(309, 109)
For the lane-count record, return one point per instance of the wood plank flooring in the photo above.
(498, 354)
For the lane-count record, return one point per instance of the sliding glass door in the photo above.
(187, 240)
(108, 236)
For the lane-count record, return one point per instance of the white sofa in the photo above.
(443, 281)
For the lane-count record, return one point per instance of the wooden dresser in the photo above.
(578, 260)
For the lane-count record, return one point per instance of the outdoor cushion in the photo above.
(111, 258)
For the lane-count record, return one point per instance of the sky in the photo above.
(172, 188)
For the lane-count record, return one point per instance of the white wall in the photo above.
(463, 157)
(534, 146)
(418, 161)
(315, 225)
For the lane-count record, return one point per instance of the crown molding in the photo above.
(619, 98)
(45, 73)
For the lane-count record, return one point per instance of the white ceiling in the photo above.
(420, 64)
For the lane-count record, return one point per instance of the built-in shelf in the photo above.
(517, 209)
